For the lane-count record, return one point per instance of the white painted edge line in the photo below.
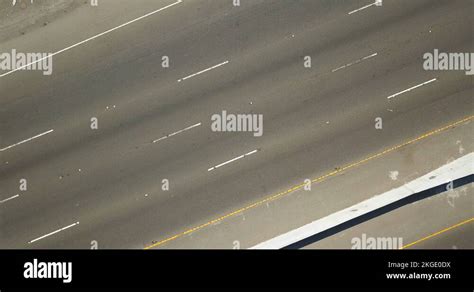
(203, 71)
(411, 88)
(233, 159)
(177, 132)
(8, 199)
(362, 8)
(93, 37)
(26, 140)
(54, 232)
(459, 168)
(355, 62)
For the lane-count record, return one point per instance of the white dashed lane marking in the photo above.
(355, 62)
(203, 71)
(234, 159)
(8, 199)
(26, 140)
(177, 132)
(411, 88)
(54, 232)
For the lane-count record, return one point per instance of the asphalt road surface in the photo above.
(104, 185)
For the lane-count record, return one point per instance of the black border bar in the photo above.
(238, 268)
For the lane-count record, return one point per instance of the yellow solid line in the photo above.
(338, 170)
(438, 233)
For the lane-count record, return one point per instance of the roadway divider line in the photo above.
(297, 187)
(355, 62)
(26, 140)
(362, 8)
(177, 132)
(233, 159)
(54, 232)
(8, 199)
(203, 71)
(438, 233)
(411, 88)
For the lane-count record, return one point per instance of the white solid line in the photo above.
(203, 71)
(233, 159)
(27, 140)
(411, 88)
(8, 199)
(54, 232)
(93, 37)
(362, 8)
(355, 62)
(177, 132)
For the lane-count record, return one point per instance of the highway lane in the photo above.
(119, 164)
